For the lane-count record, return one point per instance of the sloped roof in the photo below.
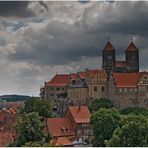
(132, 47)
(59, 80)
(127, 79)
(74, 76)
(80, 114)
(62, 141)
(109, 47)
(55, 126)
(6, 138)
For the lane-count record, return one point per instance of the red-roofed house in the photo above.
(80, 119)
(75, 124)
(129, 89)
(55, 87)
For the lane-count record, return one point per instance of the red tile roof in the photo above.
(74, 76)
(6, 138)
(92, 73)
(109, 47)
(58, 127)
(80, 114)
(132, 47)
(62, 141)
(59, 80)
(127, 79)
(121, 64)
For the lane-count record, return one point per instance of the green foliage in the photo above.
(100, 103)
(134, 110)
(36, 144)
(42, 106)
(104, 122)
(30, 128)
(133, 133)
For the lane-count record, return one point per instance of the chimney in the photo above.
(45, 83)
(79, 106)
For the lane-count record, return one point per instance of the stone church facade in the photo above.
(130, 64)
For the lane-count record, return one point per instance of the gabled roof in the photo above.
(59, 80)
(132, 47)
(109, 47)
(56, 127)
(80, 114)
(127, 79)
(73, 76)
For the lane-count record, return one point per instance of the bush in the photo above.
(100, 103)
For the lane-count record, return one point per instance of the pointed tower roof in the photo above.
(132, 47)
(109, 47)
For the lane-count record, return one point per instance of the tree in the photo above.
(29, 128)
(104, 122)
(37, 144)
(134, 110)
(133, 133)
(41, 106)
(100, 103)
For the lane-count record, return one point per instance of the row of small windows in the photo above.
(140, 88)
(57, 89)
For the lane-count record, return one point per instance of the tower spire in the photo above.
(108, 37)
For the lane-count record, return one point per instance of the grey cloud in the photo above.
(69, 42)
(15, 9)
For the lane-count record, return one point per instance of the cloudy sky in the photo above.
(38, 39)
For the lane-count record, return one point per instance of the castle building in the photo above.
(87, 85)
(128, 89)
(55, 88)
(119, 81)
(131, 63)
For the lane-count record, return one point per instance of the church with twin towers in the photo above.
(130, 64)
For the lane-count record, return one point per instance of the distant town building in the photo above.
(8, 118)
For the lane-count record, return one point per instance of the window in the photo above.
(95, 88)
(58, 89)
(125, 89)
(63, 88)
(120, 90)
(102, 88)
(51, 94)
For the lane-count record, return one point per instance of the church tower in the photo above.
(132, 58)
(109, 58)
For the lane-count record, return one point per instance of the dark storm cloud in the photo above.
(70, 42)
(127, 18)
(15, 9)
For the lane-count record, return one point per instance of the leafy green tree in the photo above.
(134, 110)
(100, 103)
(104, 122)
(37, 144)
(30, 128)
(133, 133)
(42, 106)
